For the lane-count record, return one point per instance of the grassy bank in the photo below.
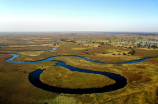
(15, 87)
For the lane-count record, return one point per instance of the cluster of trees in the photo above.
(132, 52)
(63, 39)
(56, 44)
(154, 45)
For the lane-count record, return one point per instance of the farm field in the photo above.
(95, 52)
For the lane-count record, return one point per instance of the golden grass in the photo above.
(34, 56)
(62, 77)
(142, 87)
(15, 86)
(78, 48)
(112, 50)
(32, 53)
(91, 44)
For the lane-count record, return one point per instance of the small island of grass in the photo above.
(64, 78)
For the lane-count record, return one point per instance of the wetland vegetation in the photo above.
(142, 79)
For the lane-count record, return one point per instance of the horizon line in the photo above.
(74, 31)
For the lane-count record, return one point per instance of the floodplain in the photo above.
(142, 79)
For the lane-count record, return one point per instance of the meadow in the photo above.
(142, 79)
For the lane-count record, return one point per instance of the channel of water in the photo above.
(34, 77)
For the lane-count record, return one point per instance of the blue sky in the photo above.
(79, 15)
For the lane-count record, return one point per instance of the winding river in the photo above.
(34, 77)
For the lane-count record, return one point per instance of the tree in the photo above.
(124, 53)
(132, 52)
(154, 46)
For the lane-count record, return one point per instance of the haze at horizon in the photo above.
(79, 15)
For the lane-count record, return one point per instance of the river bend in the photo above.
(34, 77)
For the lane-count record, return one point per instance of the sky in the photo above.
(79, 15)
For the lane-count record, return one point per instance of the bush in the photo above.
(124, 53)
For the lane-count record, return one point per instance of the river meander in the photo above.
(34, 77)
